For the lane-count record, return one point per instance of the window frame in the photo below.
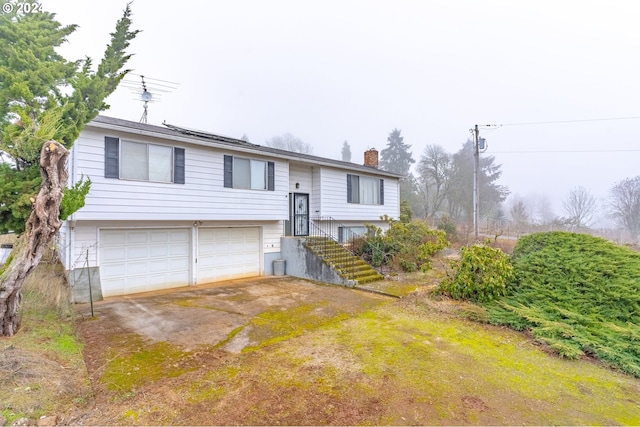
(355, 190)
(113, 161)
(231, 180)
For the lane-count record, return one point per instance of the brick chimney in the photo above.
(371, 158)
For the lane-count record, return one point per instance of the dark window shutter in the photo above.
(349, 191)
(382, 191)
(228, 171)
(178, 165)
(111, 157)
(271, 176)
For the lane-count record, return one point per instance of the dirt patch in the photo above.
(198, 337)
(283, 351)
(28, 377)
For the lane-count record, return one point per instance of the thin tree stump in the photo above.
(42, 225)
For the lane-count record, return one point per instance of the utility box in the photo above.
(279, 267)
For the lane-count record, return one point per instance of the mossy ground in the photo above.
(354, 359)
(383, 361)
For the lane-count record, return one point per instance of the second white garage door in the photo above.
(228, 253)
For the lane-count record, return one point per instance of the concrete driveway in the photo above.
(206, 315)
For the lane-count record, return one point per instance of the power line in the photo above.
(566, 121)
(566, 151)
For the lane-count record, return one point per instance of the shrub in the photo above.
(447, 225)
(406, 213)
(482, 274)
(408, 246)
(577, 293)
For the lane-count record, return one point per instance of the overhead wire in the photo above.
(494, 127)
(568, 121)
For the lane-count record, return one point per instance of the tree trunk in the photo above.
(42, 225)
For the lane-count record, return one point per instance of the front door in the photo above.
(300, 214)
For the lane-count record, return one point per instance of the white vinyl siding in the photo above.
(202, 197)
(333, 199)
(300, 175)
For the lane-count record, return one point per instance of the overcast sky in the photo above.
(329, 71)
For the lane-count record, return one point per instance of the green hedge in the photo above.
(577, 293)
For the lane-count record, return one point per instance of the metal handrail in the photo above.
(351, 239)
(332, 227)
(323, 242)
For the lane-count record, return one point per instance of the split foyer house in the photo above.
(172, 207)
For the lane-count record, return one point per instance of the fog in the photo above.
(330, 71)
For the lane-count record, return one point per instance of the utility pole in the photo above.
(476, 167)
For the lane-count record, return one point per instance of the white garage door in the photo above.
(144, 260)
(228, 253)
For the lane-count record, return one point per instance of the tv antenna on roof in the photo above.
(151, 91)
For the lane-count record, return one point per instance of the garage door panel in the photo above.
(159, 237)
(137, 237)
(137, 268)
(176, 264)
(227, 253)
(144, 260)
(176, 236)
(137, 252)
(113, 238)
(113, 254)
(159, 252)
(175, 250)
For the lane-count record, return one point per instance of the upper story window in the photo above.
(249, 174)
(143, 162)
(365, 190)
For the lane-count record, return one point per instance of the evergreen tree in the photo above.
(396, 157)
(43, 96)
(346, 152)
(519, 215)
(491, 195)
(410, 195)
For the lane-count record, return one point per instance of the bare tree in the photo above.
(290, 142)
(580, 206)
(624, 202)
(436, 173)
(41, 226)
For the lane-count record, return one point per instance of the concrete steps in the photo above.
(347, 265)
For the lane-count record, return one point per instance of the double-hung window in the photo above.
(365, 190)
(250, 174)
(143, 162)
